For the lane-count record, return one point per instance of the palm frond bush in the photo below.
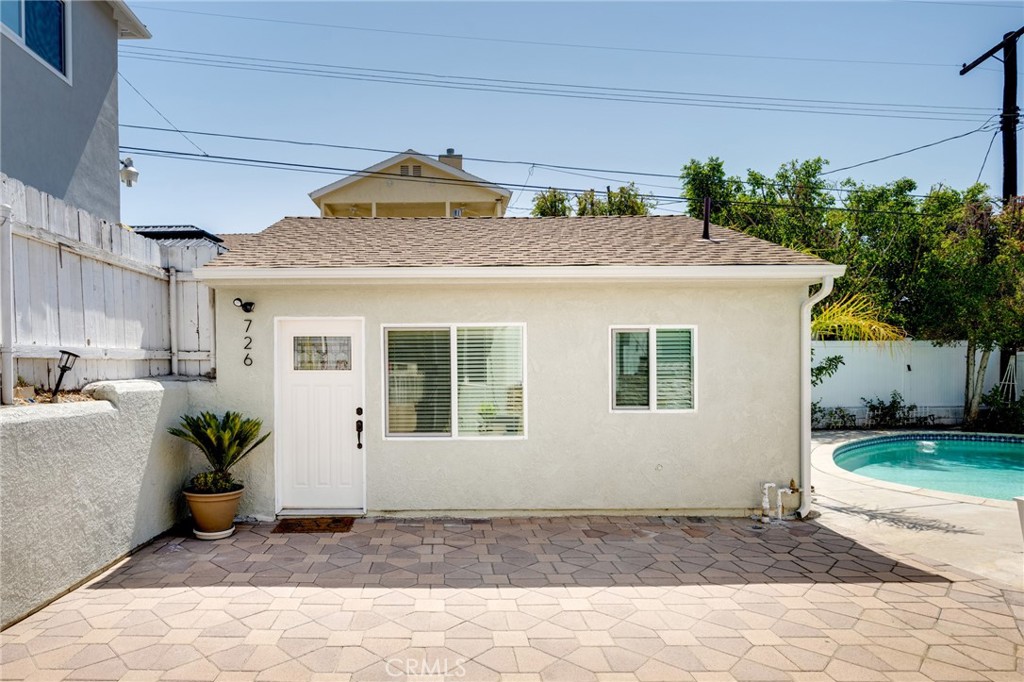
(853, 317)
(225, 441)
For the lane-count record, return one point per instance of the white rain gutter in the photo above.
(173, 313)
(585, 273)
(7, 378)
(827, 282)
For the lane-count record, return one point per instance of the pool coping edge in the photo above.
(822, 459)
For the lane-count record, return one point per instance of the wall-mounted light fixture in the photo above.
(64, 364)
(246, 306)
(129, 174)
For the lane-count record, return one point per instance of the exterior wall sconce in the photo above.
(66, 362)
(246, 306)
(129, 174)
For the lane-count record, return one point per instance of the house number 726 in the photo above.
(247, 360)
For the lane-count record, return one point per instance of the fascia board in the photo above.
(793, 273)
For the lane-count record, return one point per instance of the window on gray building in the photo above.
(39, 25)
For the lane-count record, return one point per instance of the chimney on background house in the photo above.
(451, 158)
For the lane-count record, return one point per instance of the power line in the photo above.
(908, 151)
(581, 171)
(540, 43)
(987, 152)
(191, 54)
(160, 113)
(562, 90)
(313, 168)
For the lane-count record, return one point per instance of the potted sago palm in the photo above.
(213, 495)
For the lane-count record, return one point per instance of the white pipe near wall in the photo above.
(173, 310)
(827, 283)
(7, 306)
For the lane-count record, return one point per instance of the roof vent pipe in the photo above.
(707, 218)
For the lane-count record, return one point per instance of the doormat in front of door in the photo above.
(315, 524)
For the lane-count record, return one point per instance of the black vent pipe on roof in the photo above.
(707, 218)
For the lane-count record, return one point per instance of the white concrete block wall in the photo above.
(83, 484)
(931, 377)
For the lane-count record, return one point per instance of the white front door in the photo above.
(320, 454)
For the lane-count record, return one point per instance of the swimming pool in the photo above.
(982, 465)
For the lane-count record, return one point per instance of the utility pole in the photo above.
(1008, 124)
(1011, 112)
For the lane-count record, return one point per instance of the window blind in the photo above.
(490, 387)
(674, 356)
(487, 395)
(419, 390)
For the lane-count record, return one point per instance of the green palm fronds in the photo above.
(225, 441)
(854, 317)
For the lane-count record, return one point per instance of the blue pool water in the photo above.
(969, 464)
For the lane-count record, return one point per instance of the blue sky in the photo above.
(785, 51)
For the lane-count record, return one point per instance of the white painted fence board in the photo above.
(108, 335)
(22, 293)
(120, 323)
(99, 290)
(92, 299)
(71, 315)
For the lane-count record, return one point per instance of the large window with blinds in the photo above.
(653, 369)
(454, 381)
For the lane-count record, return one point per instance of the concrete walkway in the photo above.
(976, 534)
(603, 599)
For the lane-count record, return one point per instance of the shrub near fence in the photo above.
(98, 290)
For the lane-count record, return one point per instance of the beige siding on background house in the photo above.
(578, 455)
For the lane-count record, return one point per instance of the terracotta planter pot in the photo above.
(213, 512)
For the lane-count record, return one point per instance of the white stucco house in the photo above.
(480, 366)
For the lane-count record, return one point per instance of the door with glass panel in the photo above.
(320, 440)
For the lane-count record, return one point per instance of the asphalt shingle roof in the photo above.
(482, 242)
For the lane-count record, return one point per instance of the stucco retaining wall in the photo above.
(82, 484)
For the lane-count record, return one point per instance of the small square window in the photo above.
(653, 369)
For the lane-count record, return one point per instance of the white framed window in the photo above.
(454, 381)
(41, 27)
(653, 368)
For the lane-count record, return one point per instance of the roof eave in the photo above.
(129, 26)
(663, 273)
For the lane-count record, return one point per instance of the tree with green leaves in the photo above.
(971, 280)
(551, 203)
(626, 200)
(943, 267)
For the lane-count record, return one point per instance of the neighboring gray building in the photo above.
(58, 105)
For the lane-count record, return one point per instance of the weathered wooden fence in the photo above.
(98, 290)
(931, 377)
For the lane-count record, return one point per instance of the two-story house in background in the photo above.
(58, 113)
(413, 185)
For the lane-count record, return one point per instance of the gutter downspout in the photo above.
(827, 282)
(7, 306)
(173, 314)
